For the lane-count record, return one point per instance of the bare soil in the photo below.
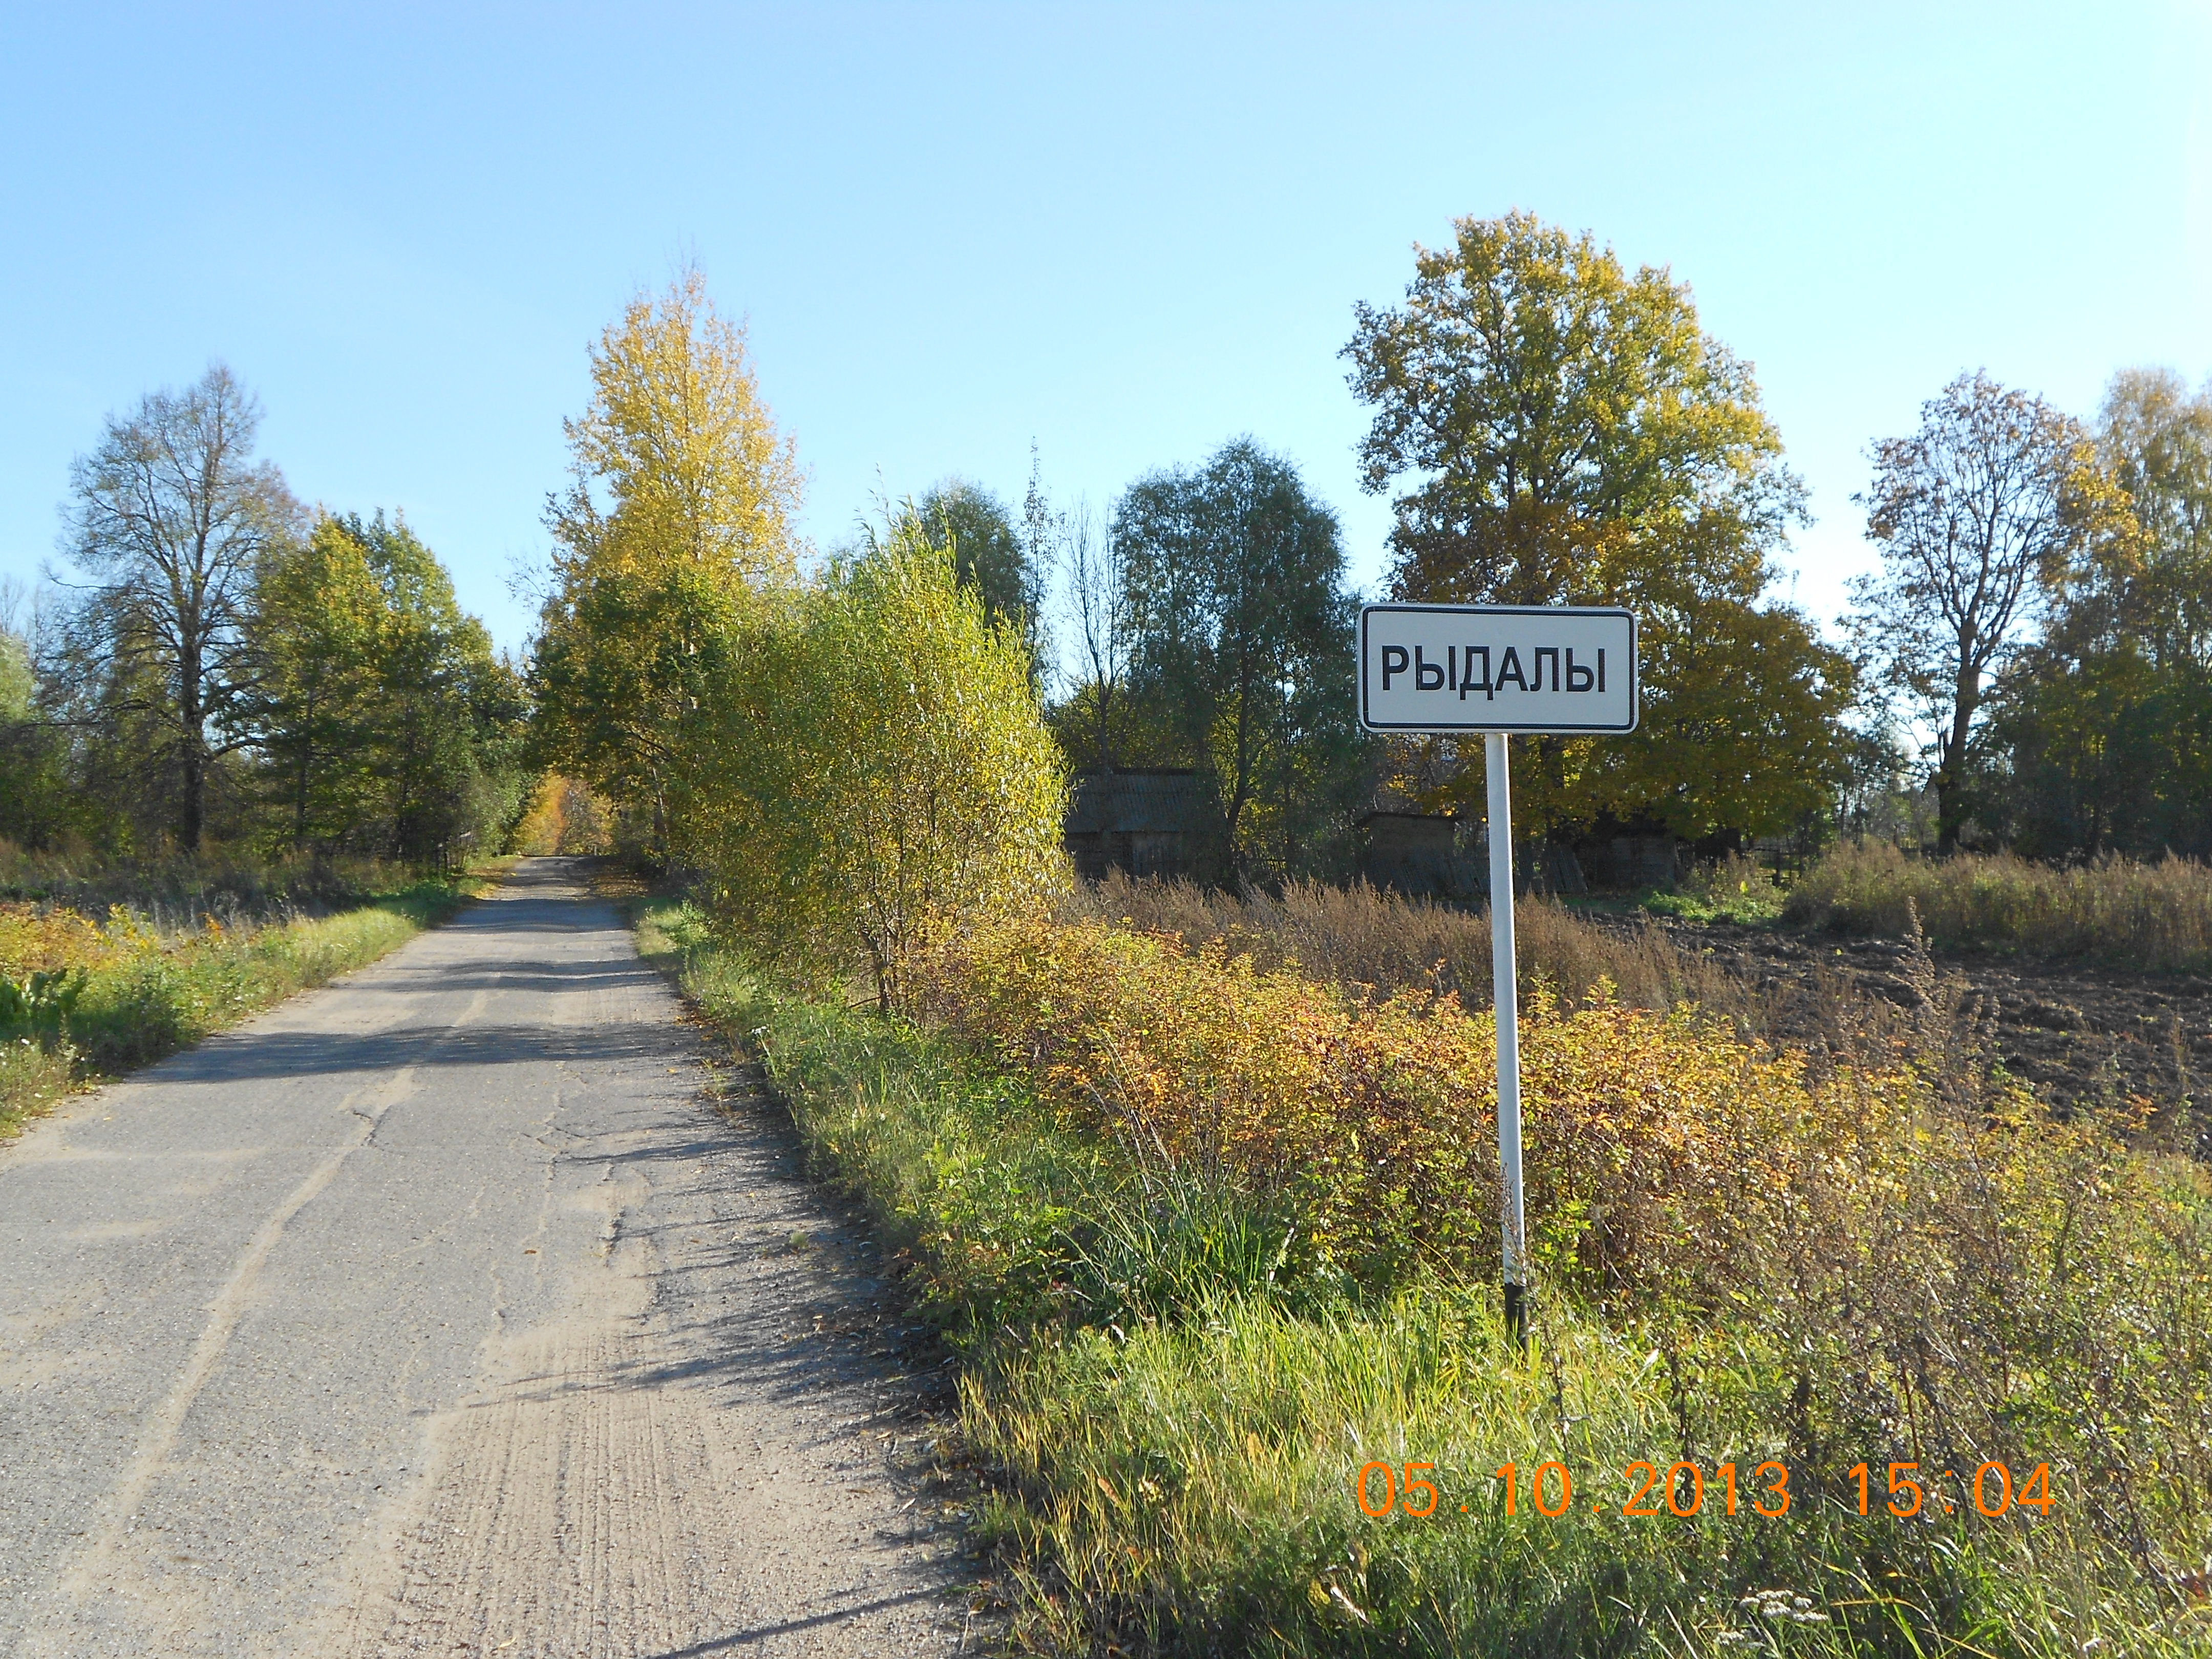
(2081, 1033)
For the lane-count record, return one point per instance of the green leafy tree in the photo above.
(1567, 433)
(1239, 628)
(318, 618)
(384, 718)
(450, 710)
(171, 515)
(988, 552)
(877, 771)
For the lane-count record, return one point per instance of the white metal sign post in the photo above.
(1445, 669)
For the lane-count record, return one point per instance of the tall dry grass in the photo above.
(2156, 916)
(1365, 937)
(1375, 943)
(179, 892)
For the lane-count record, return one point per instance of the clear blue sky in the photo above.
(1128, 233)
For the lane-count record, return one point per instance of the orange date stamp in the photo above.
(1684, 1489)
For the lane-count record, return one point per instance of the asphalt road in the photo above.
(436, 1311)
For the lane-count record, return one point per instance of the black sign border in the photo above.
(1635, 685)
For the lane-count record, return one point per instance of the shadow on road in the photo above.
(264, 1055)
(743, 1638)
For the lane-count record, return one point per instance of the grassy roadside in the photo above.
(96, 1000)
(1170, 1408)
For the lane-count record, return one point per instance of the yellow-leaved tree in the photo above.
(677, 521)
(1564, 431)
(879, 772)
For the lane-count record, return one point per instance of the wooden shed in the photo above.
(1418, 853)
(1152, 822)
(1628, 863)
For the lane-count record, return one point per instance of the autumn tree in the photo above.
(1529, 386)
(19, 680)
(171, 515)
(879, 772)
(2156, 438)
(2099, 734)
(678, 513)
(1976, 515)
(1563, 432)
(1241, 633)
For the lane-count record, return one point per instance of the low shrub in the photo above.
(1210, 1238)
(1374, 1123)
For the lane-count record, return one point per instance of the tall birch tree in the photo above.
(678, 512)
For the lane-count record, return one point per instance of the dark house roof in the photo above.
(1160, 800)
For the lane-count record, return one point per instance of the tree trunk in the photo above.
(306, 768)
(1242, 792)
(299, 806)
(192, 718)
(1950, 778)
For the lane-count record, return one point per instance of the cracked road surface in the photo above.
(435, 1312)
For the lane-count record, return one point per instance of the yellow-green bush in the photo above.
(1652, 1137)
(1207, 1239)
(1866, 1269)
(873, 770)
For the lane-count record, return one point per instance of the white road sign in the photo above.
(1497, 668)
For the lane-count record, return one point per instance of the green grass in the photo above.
(1169, 1430)
(154, 1001)
(1188, 1487)
(1002, 1219)
(1734, 890)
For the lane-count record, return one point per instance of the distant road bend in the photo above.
(433, 1312)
